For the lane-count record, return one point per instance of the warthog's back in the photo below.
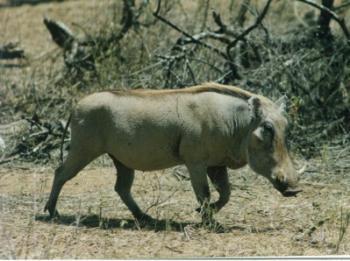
(150, 130)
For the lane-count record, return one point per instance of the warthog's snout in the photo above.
(286, 189)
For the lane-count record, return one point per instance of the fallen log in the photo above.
(76, 53)
(11, 51)
(60, 33)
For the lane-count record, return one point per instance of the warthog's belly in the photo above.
(145, 150)
(147, 158)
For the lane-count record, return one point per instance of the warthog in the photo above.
(208, 128)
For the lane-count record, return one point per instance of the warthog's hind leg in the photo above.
(76, 160)
(219, 178)
(125, 179)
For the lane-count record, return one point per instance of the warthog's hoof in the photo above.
(212, 208)
(213, 226)
(207, 213)
(52, 212)
(291, 192)
(144, 220)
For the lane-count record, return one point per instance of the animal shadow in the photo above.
(95, 221)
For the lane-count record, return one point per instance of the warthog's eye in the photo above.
(265, 133)
(268, 128)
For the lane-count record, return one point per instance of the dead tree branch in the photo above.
(128, 18)
(341, 7)
(205, 16)
(204, 35)
(11, 51)
(241, 17)
(325, 19)
(75, 54)
(258, 21)
(193, 39)
(60, 33)
(333, 15)
(223, 28)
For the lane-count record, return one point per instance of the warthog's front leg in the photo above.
(125, 179)
(219, 178)
(201, 189)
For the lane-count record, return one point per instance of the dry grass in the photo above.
(95, 223)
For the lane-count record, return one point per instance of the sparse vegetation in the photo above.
(271, 47)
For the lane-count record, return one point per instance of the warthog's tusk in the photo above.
(302, 170)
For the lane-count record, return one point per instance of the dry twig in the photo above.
(11, 51)
(241, 17)
(339, 20)
(249, 29)
(193, 39)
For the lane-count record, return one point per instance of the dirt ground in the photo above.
(94, 222)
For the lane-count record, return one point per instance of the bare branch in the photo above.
(205, 16)
(127, 21)
(192, 74)
(325, 19)
(241, 17)
(60, 33)
(341, 7)
(156, 13)
(204, 35)
(223, 28)
(339, 20)
(194, 40)
(249, 29)
(11, 51)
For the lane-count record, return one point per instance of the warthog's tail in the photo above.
(63, 136)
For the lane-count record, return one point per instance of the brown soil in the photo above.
(94, 223)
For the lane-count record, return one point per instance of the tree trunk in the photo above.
(324, 31)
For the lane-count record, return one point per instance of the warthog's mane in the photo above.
(206, 87)
(267, 105)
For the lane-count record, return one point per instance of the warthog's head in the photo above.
(267, 151)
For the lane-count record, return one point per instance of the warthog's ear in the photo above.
(255, 107)
(281, 103)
